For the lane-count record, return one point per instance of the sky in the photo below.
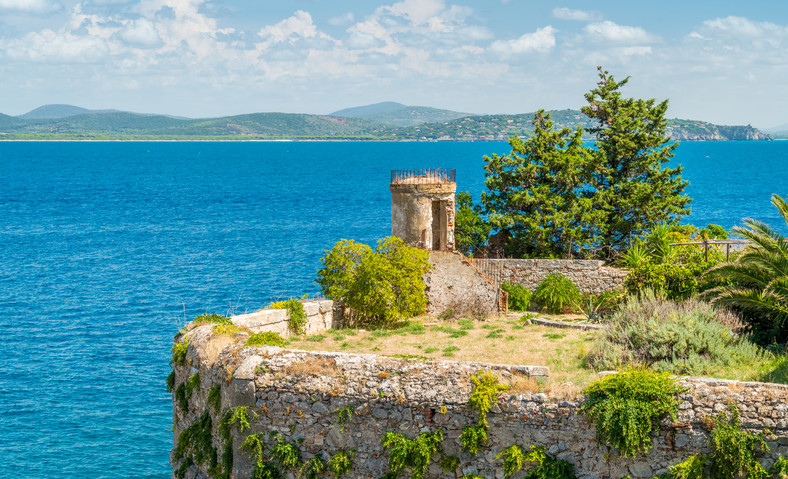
(720, 61)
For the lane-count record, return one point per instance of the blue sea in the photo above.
(108, 248)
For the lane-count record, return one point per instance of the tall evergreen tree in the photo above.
(539, 192)
(560, 198)
(633, 190)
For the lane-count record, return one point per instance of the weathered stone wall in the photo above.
(298, 394)
(320, 316)
(455, 284)
(590, 276)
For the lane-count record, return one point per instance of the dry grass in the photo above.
(502, 341)
(315, 366)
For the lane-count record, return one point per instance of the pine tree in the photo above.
(632, 189)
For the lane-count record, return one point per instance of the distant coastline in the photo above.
(388, 122)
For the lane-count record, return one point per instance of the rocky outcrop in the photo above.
(701, 131)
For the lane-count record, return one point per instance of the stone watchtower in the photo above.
(422, 207)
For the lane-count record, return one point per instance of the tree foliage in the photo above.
(561, 198)
(470, 228)
(757, 281)
(384, 284)
(631, 188)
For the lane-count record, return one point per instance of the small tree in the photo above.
(384, 284)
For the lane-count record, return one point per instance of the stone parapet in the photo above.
(299, 395)
(590, 276)
(319, 317)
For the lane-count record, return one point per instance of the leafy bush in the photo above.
(514, 460)
(413, 453)
(341, 463)
(626, 406)
(733, 449)
(381, 285)
(296, 322)
(675, 270)
(683, 338)
(690, 468)
(179, 349)
(484, 394)
(519, 296)
(473, 438)
(556, 292)
(266, 339)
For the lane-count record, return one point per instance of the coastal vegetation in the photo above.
(554, 196)
(377, 286)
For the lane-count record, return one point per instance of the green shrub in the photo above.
(266, 339)
(473, 438)
(683, 338)
(341, 463)
(626, 406)
(194, 443)
(690, 468)
(296, 321)
(733, 449)
(519, 296)
(414, 453)
(215, 397)
(548, 467)
(179, 350)
(484, 394)
(513, 460)
(286, 454)
(381, 285)
(555, 293)
(211, 318)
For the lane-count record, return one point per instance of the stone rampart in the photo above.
(454, 284)
(300, 395)
(320, 316)
(590, 276)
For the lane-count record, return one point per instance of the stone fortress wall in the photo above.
(299, 394)
(590, 276)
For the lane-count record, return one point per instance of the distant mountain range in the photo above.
(381, 121)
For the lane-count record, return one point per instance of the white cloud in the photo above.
(141, 32)
(613, 32)
(29, 6)
(343, 20)
(564, 13)
(541, 41)
(298, 25)
(57, 47)
(417, 12)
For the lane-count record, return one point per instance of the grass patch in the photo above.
(554, 335)
(449, 350)
(316, 338)
(266, 339)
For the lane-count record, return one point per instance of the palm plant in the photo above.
(756, 283)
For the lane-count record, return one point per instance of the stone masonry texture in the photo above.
(299, 394)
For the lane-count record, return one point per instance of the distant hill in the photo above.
(780, 131)
(368, 110)
(55, 111)
(399, 115)
(384, 121)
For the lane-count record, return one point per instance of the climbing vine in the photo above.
(483, 397)
(341, 463)
(414, 453)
